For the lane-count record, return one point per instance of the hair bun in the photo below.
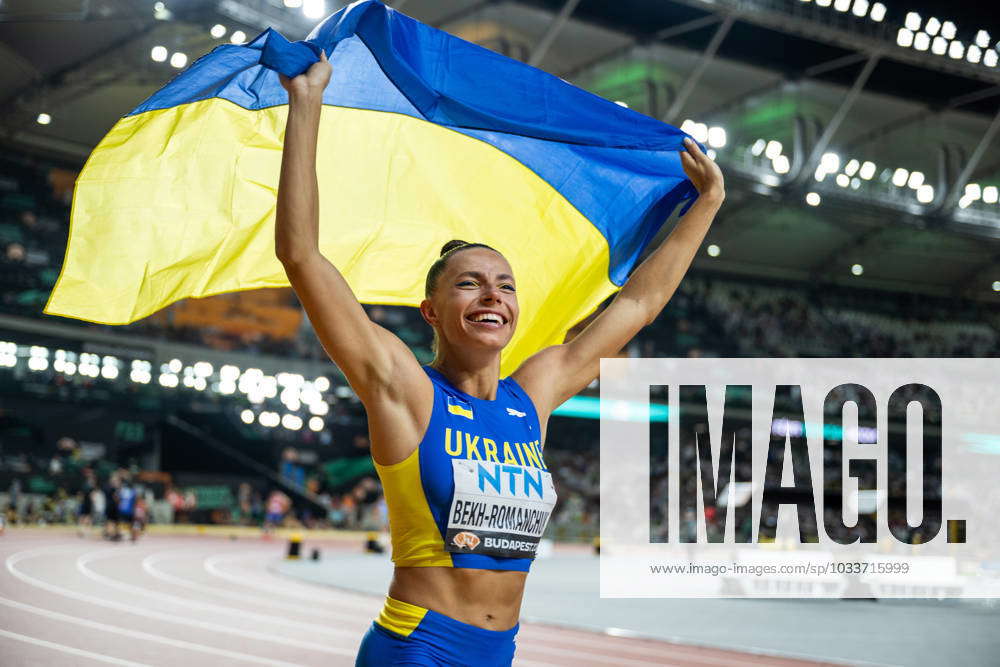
(452, 245)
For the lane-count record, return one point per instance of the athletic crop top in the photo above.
(475, 493)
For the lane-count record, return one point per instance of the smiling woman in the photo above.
(477, 267)
(459, 450)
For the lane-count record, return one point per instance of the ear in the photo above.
(427, 310)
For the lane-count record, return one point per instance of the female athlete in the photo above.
(459, 450)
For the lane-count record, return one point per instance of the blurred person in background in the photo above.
(126, 507)
(278, 505)
(111, 528)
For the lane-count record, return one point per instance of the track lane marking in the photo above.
(69, 649)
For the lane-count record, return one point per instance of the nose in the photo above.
(492, 295)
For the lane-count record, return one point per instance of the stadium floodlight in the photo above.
(867, 171)
(852, 167)
(991, 194)
(899, 177)
(964, 202)
(218, 31)
(996, 285)
(247, 416)
(956, 50)
(711, 154)
(159, 53)
(830, 162)
(878, 12)
(313, 9)
(983, 39)
(781, 164)
(700, 132)
(933, 26)
(813, 199)
(758, 147)
(916, 180)
(717, 137)
(940, 46)
(922, 41)
(973, 191)
(904, 37)
(842, 5)
(948, 30)
(200, 384)
(621, 103)
(857, 269)
(108, 372)
(38, 363)
(70, 368)
(175, 365)
(843, 180)
(316, 423)
(321, 383)
(860, 8)
(974, 54)
(203, 369)
(912, 21)
(925, 194)
(713, 250)
(238, 37)
(319, 408)
(990, 59)
(168, 380)
(820, 174)
(291, 422)
(773, 149)
(824, 3)
(855, 183)
(43, 119)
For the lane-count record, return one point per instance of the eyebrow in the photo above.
(481, 276)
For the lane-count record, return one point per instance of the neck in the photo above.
(476, 375)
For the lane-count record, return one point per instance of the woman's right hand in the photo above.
(311, 83)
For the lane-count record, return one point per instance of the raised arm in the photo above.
(554, 374)
(380, 368)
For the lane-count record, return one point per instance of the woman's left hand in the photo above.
(704, 173)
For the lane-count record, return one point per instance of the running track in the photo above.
(195, 601)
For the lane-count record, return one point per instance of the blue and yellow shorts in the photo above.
(405, 634)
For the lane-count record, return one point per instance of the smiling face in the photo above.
(474, 302)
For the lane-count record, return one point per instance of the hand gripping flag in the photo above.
(424, 138)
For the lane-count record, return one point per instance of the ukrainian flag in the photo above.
(424, 138)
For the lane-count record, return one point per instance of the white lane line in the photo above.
(150, 562)
(138, 634)
(14, 559)
(287, 586)
(69, 649)
(85, 559)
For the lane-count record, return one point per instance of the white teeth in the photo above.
(487, 317)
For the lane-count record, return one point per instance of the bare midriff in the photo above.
(489, 599)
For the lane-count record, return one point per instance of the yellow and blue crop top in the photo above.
(475, 493)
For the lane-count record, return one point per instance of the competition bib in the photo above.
(499, 509)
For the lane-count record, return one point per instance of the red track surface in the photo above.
(195, 601)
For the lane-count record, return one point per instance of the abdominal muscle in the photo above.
(489, 599)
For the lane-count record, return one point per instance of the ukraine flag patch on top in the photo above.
(457, 406)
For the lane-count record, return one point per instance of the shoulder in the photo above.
(538, 377)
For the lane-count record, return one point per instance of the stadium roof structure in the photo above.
(858, 137)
